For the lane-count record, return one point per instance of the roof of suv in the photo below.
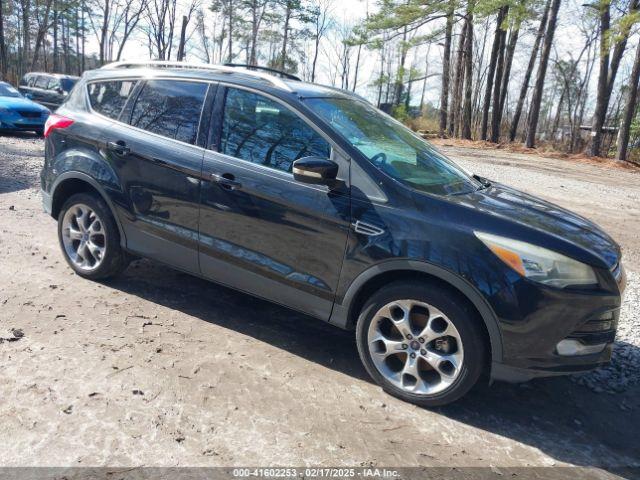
(235, 75)
(57, 75)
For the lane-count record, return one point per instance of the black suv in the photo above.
(48, 89)
(310, 197)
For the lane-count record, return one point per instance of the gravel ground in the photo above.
(157, 368)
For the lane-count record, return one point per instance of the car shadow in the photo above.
(566, 421)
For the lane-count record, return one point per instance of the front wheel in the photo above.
(89, 237)
(420, 344)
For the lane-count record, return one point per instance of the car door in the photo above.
(154, 149)
(53, 93)
(261, 231)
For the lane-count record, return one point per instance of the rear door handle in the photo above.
(226, 180)
(119, 148)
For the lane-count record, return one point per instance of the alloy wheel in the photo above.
(84, 237)
(415, 346)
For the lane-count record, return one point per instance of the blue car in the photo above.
(18, 113)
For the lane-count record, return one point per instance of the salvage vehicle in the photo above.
(19, 114)
(310, 197)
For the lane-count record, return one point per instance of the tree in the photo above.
(529, 72)
(534, 111)
(630, 108)
(321, 21)
(495, 49)
(446, 68)
(468, 72)
(608, 69)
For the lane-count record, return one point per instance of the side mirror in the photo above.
(29, 96)
(315, 170)
(59, 90)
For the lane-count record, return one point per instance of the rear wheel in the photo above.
(89, 237)
(420, 344)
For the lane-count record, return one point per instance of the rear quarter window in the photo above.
(108, 98)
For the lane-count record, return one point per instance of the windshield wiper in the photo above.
(484, 183)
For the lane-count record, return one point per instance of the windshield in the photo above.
(392, 147)
(7, 90)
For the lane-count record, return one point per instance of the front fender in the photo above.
(340, 315)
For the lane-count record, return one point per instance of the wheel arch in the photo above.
(70, 183)
(345, 314)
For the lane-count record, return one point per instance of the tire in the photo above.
(448, 361)
(95, 240)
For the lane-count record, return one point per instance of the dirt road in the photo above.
(158, 368)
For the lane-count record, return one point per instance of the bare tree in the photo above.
(608, 69)
(630, 108)
(534, 111)
(529, 72)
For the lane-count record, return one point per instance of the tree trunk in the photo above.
(457, 81)
(534, 113)
(602, 96)
(399, 87)
(506, 75)
(606, 75)
(468, 74)
(446, 67)
(491, 72)
(630, 109)
(355, 75)
(3, 47)
(495, 111)
(285, 37)
(527, 76)
(42, 30)
(230, 55)
(55, 36)
(183, 32)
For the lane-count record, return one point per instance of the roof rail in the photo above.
(289, 76)
(278, 82)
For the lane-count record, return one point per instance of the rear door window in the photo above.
(170, 108)
(108, 98)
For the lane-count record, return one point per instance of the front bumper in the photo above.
(537, 344)
(22, 124)
(552, 366)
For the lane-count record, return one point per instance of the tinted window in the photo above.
(108, 98)
(41, 82)
(67, 84)
(262, 131)
(170, 108)
(54, 83)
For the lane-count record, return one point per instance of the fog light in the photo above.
(570, 348)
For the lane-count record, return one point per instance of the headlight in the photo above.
(537, 263)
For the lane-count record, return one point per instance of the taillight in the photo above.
(56, 121)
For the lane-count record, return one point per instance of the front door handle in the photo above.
(226, 181)
(119, 148)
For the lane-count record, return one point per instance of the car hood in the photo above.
(545, 217)
(20, 103)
